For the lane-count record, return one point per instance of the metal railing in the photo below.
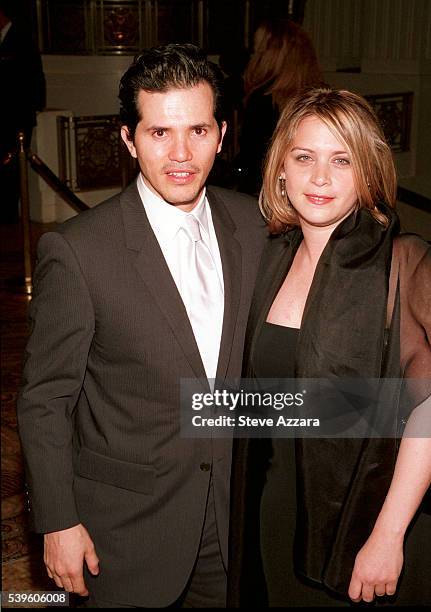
(25, 157)
(55, 183)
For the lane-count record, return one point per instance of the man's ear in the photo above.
(222, 133)
(125, 135)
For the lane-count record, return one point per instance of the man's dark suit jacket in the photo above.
(99, 409)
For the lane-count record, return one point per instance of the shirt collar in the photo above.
(166, 219)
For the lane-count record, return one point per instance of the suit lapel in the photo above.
(231, 257)
(153, 270)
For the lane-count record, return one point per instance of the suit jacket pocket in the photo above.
(122, 474)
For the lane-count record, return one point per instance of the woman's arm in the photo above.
(379, 562)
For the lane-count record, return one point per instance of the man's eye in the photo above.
(199, 131)
(159, 133)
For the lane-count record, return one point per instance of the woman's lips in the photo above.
(318, 199)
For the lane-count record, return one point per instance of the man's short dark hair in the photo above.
(163, 68)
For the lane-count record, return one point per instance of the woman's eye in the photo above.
(303, 158)
(342, 161)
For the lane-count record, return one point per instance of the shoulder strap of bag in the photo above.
(393, 283)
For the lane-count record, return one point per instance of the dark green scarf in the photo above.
(342, 483)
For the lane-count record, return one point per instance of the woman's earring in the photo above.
(282, 182)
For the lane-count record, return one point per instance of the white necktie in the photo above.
(203, 296)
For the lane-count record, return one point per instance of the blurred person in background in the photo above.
(283, 62)
(23, 94)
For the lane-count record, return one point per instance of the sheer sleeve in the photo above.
(415, 320)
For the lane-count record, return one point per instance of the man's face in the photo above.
(176, 141)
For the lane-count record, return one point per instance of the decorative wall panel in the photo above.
(64, 26)
(90, 152)
(118, 27)
(125, 26)
(395, 115)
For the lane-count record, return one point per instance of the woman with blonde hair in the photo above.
(340, 294)
(283, 62)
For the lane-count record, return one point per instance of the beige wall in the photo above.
(86, 85)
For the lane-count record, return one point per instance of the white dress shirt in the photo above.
(166, 221)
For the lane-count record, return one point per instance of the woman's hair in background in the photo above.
(284, 61)
(353, 122)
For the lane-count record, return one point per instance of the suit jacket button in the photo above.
(205, 467)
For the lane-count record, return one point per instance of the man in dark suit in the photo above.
(22, 94)
(149, 287)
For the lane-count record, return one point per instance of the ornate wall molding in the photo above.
(395, 115)
(109, 27)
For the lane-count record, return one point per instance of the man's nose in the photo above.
(180, 150)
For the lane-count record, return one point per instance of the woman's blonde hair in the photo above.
(352, 121)
(284, 61)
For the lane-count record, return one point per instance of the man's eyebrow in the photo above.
(155, 128)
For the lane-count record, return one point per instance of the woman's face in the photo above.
(319, 176)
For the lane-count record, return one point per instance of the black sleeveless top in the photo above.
(274, 354)
(274, 357)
